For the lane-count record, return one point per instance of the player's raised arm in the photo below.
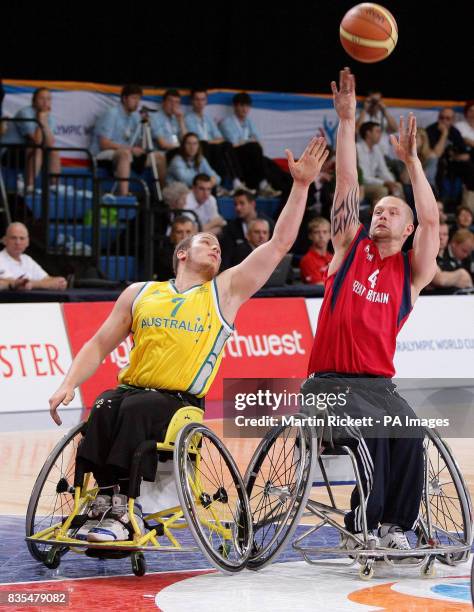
(426, 240)
(345, 208)
(239, 283)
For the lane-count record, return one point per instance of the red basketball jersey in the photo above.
(366, 302)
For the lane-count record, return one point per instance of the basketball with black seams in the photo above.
(368, 32)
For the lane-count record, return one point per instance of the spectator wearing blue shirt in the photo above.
(190, 162)
(258, 171)
(118, 139)
(167, 125)
(31, 132)
(215, 148)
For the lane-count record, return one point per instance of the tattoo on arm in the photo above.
(345, 214)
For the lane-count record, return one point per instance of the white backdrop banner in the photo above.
(437, 341)
(283, 120)
(34, 356)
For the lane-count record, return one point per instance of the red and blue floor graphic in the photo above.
(178, 582)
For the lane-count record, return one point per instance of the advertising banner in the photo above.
(283, 120)
(34, 356)
(436, 341)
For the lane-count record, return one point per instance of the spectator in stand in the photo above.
(30, 133)
(174, 195)
(216, 150)
(314, 265)
(117, 139)
(234, 233)
(449, 146)
(374, 111)
(258, 232)
(189, 162)
(463, 220)
(19, 272)
(321, 191)
(203, 203)
(181, 228)
(466, 127)
(377, 179)
(258, 171)
(427, 156)
(167, 125)
(455, 262)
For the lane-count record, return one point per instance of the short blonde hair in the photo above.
(461, 235)
(316, 222)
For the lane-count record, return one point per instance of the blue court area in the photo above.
(17, 565)
(181, 582)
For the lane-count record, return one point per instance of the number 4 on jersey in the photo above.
(373, 278)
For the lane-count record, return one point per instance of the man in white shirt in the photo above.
(377, 178)
(204, 204)
(19, 271)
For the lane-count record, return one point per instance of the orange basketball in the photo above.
(368, 32)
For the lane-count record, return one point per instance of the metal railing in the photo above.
(20, 169)
(70, 213)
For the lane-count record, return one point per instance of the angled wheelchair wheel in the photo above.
(52, 498)
(472, 580)
(212, 496)
(278, 482)
(446, 509)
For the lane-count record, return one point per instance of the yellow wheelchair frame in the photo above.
(167, 520)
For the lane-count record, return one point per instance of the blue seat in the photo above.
(61, 233)
(268, 206)
(70, 205)
(226, 208)
(118, 267)
(126, 206)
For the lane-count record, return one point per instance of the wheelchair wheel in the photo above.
(472, 580)
(52, 499)
(446, 503)
(278, 481)
(212, 496)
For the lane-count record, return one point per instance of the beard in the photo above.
(205, 268)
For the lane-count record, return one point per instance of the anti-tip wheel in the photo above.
(138, 564)
(366, 572)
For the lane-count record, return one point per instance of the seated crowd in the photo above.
(198, 160)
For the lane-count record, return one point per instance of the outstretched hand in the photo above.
(405, 145)
(309, 165)
(344, 97)
(63, 395)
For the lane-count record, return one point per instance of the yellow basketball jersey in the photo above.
(177, 338)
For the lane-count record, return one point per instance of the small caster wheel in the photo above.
(52, 559)
(138, 564)
(366, 572)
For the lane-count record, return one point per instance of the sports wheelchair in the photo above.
(281, 477)
(213, 503)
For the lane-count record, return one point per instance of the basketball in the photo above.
(368, 32)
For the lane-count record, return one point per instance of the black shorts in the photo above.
(358, 396)
(123, 418)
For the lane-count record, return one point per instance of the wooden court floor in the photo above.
(22, 454)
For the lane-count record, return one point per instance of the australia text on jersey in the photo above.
(189, 326)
